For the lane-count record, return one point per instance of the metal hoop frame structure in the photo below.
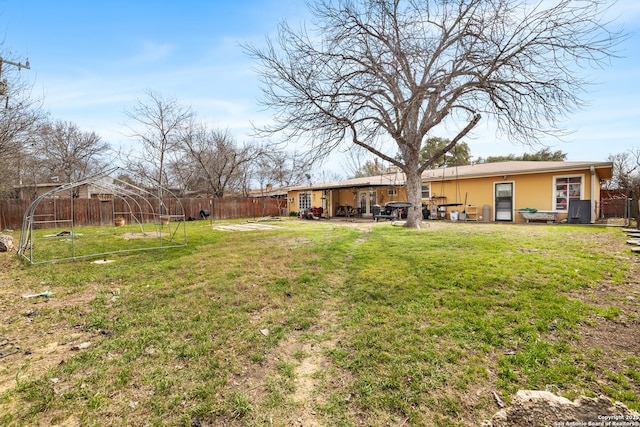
(131, 218)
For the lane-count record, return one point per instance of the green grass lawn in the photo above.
(62, 244)
(336, 324)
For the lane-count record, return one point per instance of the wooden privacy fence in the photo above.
(98, 212)
(614, 207)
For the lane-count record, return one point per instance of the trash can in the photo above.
(454, 215)
(425, 212)
(204, 214)
(486, 213)
(376, 210)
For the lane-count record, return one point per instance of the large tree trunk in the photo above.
(414, 196)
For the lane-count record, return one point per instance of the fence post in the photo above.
(636, 206)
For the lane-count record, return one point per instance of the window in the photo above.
(567, 188)
(392, 191)
(304, 201)
(426, 191)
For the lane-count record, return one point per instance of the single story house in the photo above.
(31, 191)
(513, 191)
(348, 198)
(271, 195)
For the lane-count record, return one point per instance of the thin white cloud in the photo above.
(149, 51)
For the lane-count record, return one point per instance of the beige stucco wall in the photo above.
(529, 191)
(333, 198)
(532, 190)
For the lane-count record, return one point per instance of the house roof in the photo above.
(470, 171)
(515, 168)
(390, 179)
(268, 192)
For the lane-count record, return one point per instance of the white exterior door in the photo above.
(366, 200)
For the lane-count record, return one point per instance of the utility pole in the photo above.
(3, 82)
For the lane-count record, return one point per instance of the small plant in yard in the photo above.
(240, 405)
(330, 323)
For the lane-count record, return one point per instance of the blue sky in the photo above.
(92, 59)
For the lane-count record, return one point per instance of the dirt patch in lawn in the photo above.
(613, 337)
(250, 226)
(37, 337)
(135, 236)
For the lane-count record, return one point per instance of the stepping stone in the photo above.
(636, 249)
(633, 241)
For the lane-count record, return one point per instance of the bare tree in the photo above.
(222, 165)
(184, 173)
(626, 178)
(283, 168)
(396, 70)
(635, 156)
(159, 124)
(20, 113)
(64, 150)
(626, 171)
(356, 160)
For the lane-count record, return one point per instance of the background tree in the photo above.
(370, 168)
(626, 179)
(459, 155)
(221, 164)
(20, 114)
(184, 174)
(357, 162)
(626, 171)
(280, 168)
(65, 151)
(159, 124)
(635, 156)
(381, 70)
(544, 155)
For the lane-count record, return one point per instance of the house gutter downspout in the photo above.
(593, 194)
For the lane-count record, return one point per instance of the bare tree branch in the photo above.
(158, 124)
(221, 165)
(66, 151)
(20, 114)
